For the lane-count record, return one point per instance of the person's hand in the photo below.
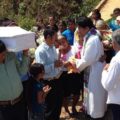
(106, 67)
(106, 43)
(102, 58)
(46, 89)
(25, 52)
(67, 64)
(33, 62)
(71, 67)
(58, 63)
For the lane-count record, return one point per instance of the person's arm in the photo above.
(110, 77)
(41, 95)
(23, 65)
(42, 58)
(90, 55)
(48, 67)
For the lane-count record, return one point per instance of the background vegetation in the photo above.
(25, 12)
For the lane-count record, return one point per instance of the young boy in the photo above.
(37, 92)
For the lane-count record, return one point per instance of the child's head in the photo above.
(71, 24)
(50, 36)
(37, 71)
(62, 25)
(96, 15)
(63, 43)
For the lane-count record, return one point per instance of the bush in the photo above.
(25, 22)
(28, 10)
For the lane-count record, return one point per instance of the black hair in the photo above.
(85, 22)
(116, 10)
(2, 47)
(36, 69)
(49, 32)
(70, 20)
(97, 13)
(63, 23)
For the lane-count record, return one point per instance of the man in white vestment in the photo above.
(95, 95)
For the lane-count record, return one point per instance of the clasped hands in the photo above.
(70, 65)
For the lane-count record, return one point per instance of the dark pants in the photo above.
(13, 112)
(37, 116)
(54, 99)
(115, 111)
(109, 55)
(25, 88)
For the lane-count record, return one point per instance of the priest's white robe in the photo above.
(95, 102)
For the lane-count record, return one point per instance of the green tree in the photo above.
(28, 10)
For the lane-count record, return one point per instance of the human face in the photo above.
(115, 14)
(41, 75)
(51, 21)
(56, 44)
(61, 27)
(94, 16)
(51, 40)
(71, 26)
(82, 31)
(63, 44)
(118, 22)
(2, 56)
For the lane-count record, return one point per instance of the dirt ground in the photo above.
(81, 116)
(65, 116)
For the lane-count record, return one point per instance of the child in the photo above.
(72, 81)
(37, 92)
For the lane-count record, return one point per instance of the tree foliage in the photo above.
(28, 10)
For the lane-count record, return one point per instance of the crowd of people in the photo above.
(74, 59)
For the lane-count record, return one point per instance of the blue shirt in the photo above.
(47, 55)
(69, 36)
(24, 75)
(36, 107)
(113, 25)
